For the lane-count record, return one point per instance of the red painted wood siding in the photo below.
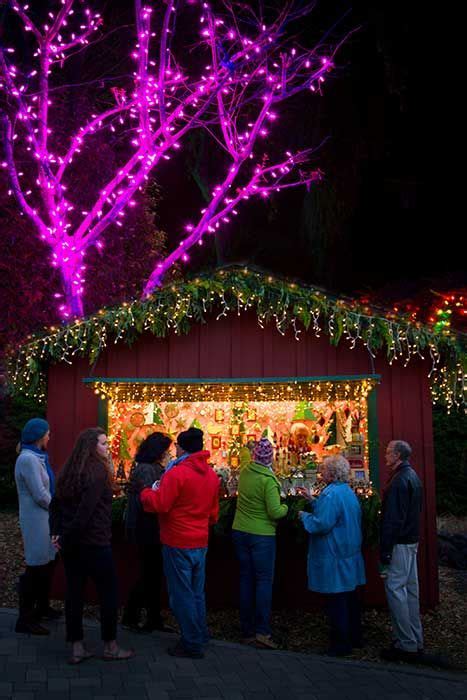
(237, 347)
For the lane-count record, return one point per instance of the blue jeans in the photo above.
(257, 555)
(185, 573)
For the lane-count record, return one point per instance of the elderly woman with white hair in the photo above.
(335, 562)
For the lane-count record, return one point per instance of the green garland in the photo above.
(290, 528)
(175, 307)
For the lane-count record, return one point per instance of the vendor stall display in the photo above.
(305, 420)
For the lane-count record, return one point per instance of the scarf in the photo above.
(173, 463)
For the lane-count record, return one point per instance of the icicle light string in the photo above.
(175, 307)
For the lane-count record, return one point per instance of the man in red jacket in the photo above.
(187, 501)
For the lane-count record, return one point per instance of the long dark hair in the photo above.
(152, 448)
(83, 463)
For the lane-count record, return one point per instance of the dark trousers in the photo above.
(146, 593)
(95, 562)
(34, 585)
(256, 554)
(344, 614)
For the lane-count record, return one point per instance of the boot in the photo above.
(27, 619)
(42, 606)
(131, 618)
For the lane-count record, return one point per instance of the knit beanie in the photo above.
(263, 452)
(34, 430)
(191, 440)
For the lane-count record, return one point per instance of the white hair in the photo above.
(336, 468)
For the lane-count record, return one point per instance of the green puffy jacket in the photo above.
(259, 504)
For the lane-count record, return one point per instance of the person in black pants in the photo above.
(80, 525)
(143, 530)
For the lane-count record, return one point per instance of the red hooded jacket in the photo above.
(187, 502)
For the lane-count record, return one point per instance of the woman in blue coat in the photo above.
(335, 562)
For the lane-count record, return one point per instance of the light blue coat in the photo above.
(32, 483)
(335, 562)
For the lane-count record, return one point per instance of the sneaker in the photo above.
(265, 641)
(396, 654)
(148, 627)
(50, 614)
(180, 652)
(248, 640)
(129, 624)
(31, 628)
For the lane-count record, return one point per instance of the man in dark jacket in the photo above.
(400, 533)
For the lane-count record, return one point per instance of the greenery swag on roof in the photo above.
(290, 306)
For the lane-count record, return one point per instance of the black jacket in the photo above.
(141, 528)
(86, 519)
(402, 505)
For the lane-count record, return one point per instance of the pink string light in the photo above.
(250, 71)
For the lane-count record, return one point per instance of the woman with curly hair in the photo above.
(80, 524)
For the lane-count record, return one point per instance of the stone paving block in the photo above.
(37, 675)
(160, 686)
(58, 684)
(209, 690)
(29, 687)
(185, 666)
(183, 695)
(89, 682)
(231, 679)
(140, 677)
(183, 682)
(8, 646)
(63, 672)
(158, 695)
(22, 696)
(52, 695)
(12, 675)
(5, 689)
(24, 659)
(110, 686)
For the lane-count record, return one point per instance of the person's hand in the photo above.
(56, 542)
(383, 570)
(302, 491)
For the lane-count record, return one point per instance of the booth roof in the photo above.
(291, 306)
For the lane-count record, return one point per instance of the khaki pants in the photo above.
(403, 598)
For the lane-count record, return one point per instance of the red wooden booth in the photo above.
(236, 351)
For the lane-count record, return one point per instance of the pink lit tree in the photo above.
(231, 82)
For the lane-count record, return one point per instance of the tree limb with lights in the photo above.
(240, 70)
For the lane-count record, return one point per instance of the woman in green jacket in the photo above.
(254, 536)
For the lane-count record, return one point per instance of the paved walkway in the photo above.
(34, 668)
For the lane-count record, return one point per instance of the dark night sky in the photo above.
(368, 225)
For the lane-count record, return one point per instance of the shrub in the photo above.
(450, 439)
